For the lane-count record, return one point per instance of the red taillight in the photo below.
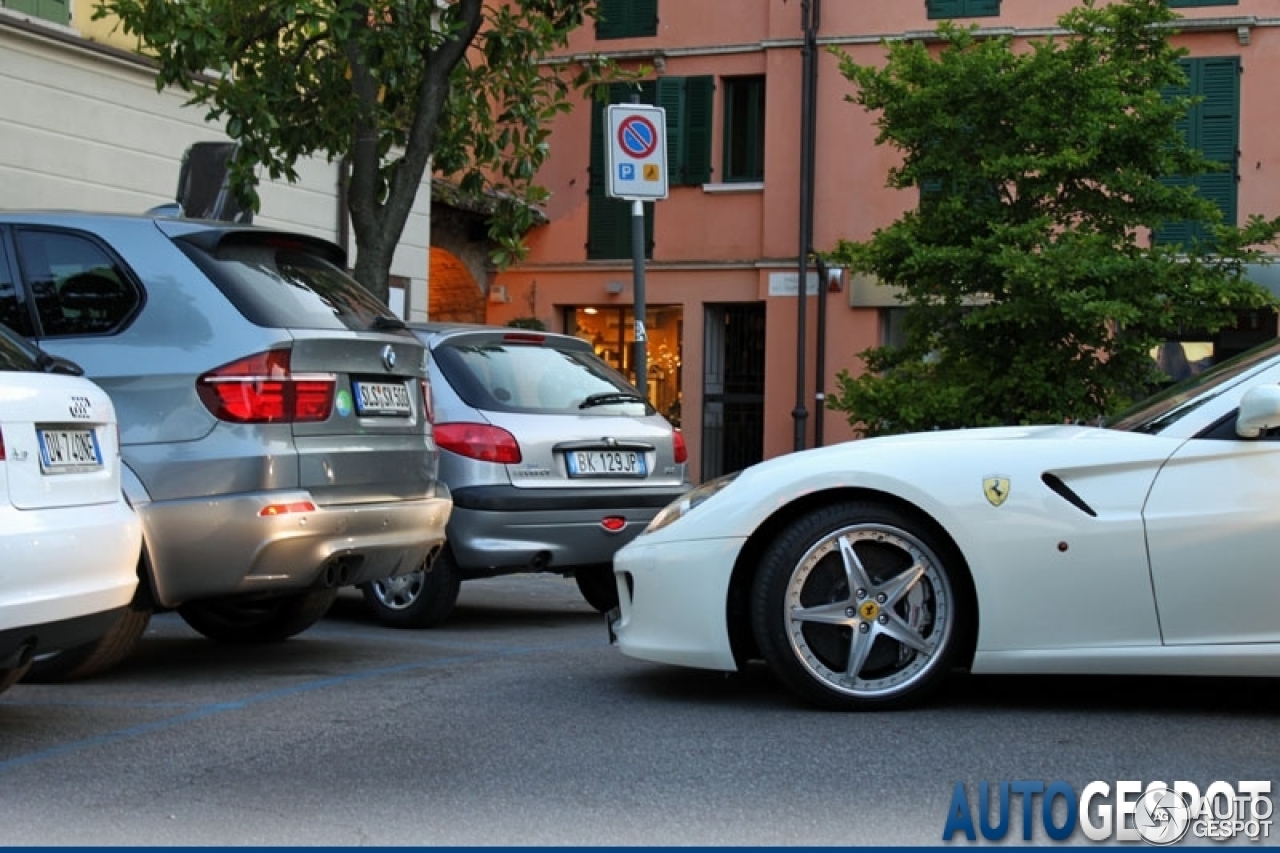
(479, 441)
(428, 404)
(1, 446)
(613, 523)
(262, 389)
(523, 338)
(681, 452)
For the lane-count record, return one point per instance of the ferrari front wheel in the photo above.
(859, 606)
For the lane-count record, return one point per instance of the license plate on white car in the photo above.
(606, 463)
(66, 451)
(382, 398)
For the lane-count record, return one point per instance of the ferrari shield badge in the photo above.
(996, 489)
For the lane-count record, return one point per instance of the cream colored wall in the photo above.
(83, 129)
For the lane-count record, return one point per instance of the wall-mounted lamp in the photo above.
(1242, 35)
(498, 293)
(613, 287)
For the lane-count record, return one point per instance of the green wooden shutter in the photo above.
(1213, 127)
(57, 11)
(687, 102)
(627, 19)
(699, 95)
(962, 8)
(1180, 4)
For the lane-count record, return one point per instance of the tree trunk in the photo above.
(373, 267)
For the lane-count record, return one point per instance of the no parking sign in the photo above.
(636, 152)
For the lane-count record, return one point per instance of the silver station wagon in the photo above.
(553, 460)
(273, 415)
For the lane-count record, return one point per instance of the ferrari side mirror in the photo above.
(1259, 411)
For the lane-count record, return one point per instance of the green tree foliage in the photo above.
(390, 84)
(1032, 290)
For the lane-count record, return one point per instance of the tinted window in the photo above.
(12, 312)
(78, 288)
(525, 377)
(279, 284)
(14, 353)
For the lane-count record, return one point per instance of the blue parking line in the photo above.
(205, 711)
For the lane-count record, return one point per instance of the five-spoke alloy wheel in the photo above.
(854, 607)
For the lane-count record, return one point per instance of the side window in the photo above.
(12, 312)
(78, 288)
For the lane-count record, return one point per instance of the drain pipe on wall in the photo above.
(808, 124)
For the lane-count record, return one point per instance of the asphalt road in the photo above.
(516, 724)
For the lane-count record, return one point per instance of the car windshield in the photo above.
(15, 355)
(510, 375)
(1155, 413)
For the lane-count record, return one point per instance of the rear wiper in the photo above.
(606, 397)
(386, 324)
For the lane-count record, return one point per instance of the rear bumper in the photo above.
(222, 546)
(67, 572)
(503, 529)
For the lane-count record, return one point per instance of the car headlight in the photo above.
(686, 503)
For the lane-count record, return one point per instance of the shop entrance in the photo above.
(733, 388)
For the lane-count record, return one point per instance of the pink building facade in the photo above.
(723, 319)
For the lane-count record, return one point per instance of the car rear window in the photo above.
(15, 355)
(281, 284)
(515, 376)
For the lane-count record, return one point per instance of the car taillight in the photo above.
(428, 405)
(681, 452)
(479, 441)
(1, 446)
(261, 388)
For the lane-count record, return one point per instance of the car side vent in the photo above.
(1055, 484)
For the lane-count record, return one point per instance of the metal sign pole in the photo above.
(637, 265)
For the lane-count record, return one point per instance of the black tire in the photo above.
(422, 599)
(99, 656)
(909, 602)
(253, 620)
(10, 677)
(598, 586)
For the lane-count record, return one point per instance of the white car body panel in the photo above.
(69, 543)
(1173, 571)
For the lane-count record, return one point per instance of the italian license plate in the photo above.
(606, 463)
(382, 398)
(65, 451)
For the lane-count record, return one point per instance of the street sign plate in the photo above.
(636, 152)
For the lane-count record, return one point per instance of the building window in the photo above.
(1212, 126)
(621, 19)
(58, 11)
(743, 129)
(962, 8)
(687, 104)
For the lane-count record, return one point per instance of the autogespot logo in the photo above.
(1156, 813)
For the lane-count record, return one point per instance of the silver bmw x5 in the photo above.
(273, 415)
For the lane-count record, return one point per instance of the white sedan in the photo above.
(864, 573)
(69, 543)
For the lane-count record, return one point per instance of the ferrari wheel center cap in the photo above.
(868, 610)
